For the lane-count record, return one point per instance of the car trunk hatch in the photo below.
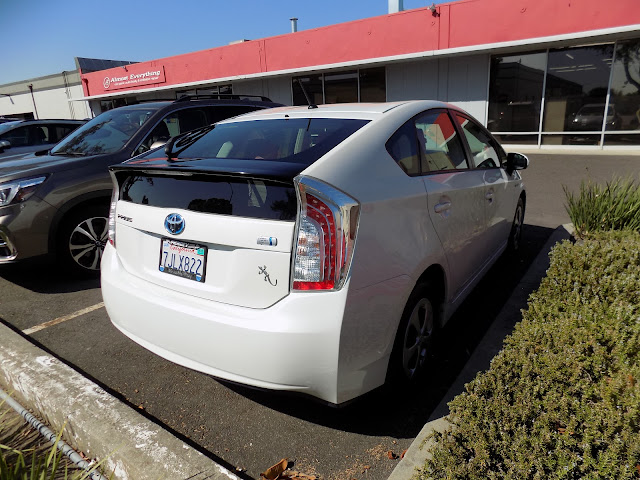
(221, 237)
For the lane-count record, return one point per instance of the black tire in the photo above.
(516, 227)
(414, 344)
(81, 240)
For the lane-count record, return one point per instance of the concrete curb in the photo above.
(480, 360)
(133, 447)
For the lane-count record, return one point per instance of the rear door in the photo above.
(221, 238)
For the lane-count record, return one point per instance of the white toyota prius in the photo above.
(313, 249)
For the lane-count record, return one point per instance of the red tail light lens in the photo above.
(327, 225)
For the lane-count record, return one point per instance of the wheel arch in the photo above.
(99, 198)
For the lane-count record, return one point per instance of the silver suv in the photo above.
(26, 136)
(57, 203)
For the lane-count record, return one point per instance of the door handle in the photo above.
(442, 207)
(489, 196)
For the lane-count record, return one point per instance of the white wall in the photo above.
(51, 103)
(461, 81)
(278, 89)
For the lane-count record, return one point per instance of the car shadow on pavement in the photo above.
(44, 276)
(401, 413)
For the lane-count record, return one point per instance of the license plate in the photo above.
(186, 260)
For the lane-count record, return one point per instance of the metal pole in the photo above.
(33, 100)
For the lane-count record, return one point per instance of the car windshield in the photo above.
(107, 133)
(300, 140)
(5, 127)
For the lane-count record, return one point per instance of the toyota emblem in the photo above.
(174, 224)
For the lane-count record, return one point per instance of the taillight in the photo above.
(112, 216)
(326, 233)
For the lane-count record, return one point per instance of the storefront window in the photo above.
(576, 93)
(515, 94)
(312, 85)
(373, 85)
(341, 87)
(624, 100)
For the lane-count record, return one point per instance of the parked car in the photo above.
(26, 136)
(591, 115)
(316, 250)
(58, 203)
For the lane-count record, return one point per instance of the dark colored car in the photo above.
(58, 203)
(26, 136)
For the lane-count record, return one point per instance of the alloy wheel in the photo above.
(87, 242)
(417, 338)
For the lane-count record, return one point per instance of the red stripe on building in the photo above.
(460, 24)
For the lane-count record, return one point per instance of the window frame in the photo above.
(502, 155)
(422, 172)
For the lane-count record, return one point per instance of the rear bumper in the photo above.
(292, 345)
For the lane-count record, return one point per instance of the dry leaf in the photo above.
(276, 470)
(391, 455)
(403, 453)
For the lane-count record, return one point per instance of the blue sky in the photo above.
(42, 37)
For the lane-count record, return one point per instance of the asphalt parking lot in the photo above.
(249, 430)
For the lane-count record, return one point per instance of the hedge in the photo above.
(562, 399)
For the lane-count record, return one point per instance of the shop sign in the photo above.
(134, 77)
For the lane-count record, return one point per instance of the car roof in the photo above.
(367, 111)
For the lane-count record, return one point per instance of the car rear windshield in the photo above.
(107, 133)
(299, 140)
(223, 195)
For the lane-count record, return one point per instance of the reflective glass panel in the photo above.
(571, 139)
(341, 87)
(312, 85)
(515, 94)
(373, 87)
(576, 91)
(624, 101)
(622, 139)
(518, 139)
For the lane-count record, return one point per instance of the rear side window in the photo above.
(242, 197)
(298, 140)
(427, 143)
(403, 147)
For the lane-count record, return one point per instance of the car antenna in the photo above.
(311, 105)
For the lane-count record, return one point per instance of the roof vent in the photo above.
(395, 6)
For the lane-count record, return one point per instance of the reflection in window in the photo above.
(485, 152)
(312, 85)
(576, 92)
(624, 107)
(341, 87)
(365, 85)
(440, 147)
(373, 85)
(515, 93)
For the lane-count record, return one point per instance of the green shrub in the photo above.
(616, 206)
(562, 399)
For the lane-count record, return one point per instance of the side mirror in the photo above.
(516, 161)
(4, 144)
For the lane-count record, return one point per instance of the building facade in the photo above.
(540, 73)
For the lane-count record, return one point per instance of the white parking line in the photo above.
(58, 320)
